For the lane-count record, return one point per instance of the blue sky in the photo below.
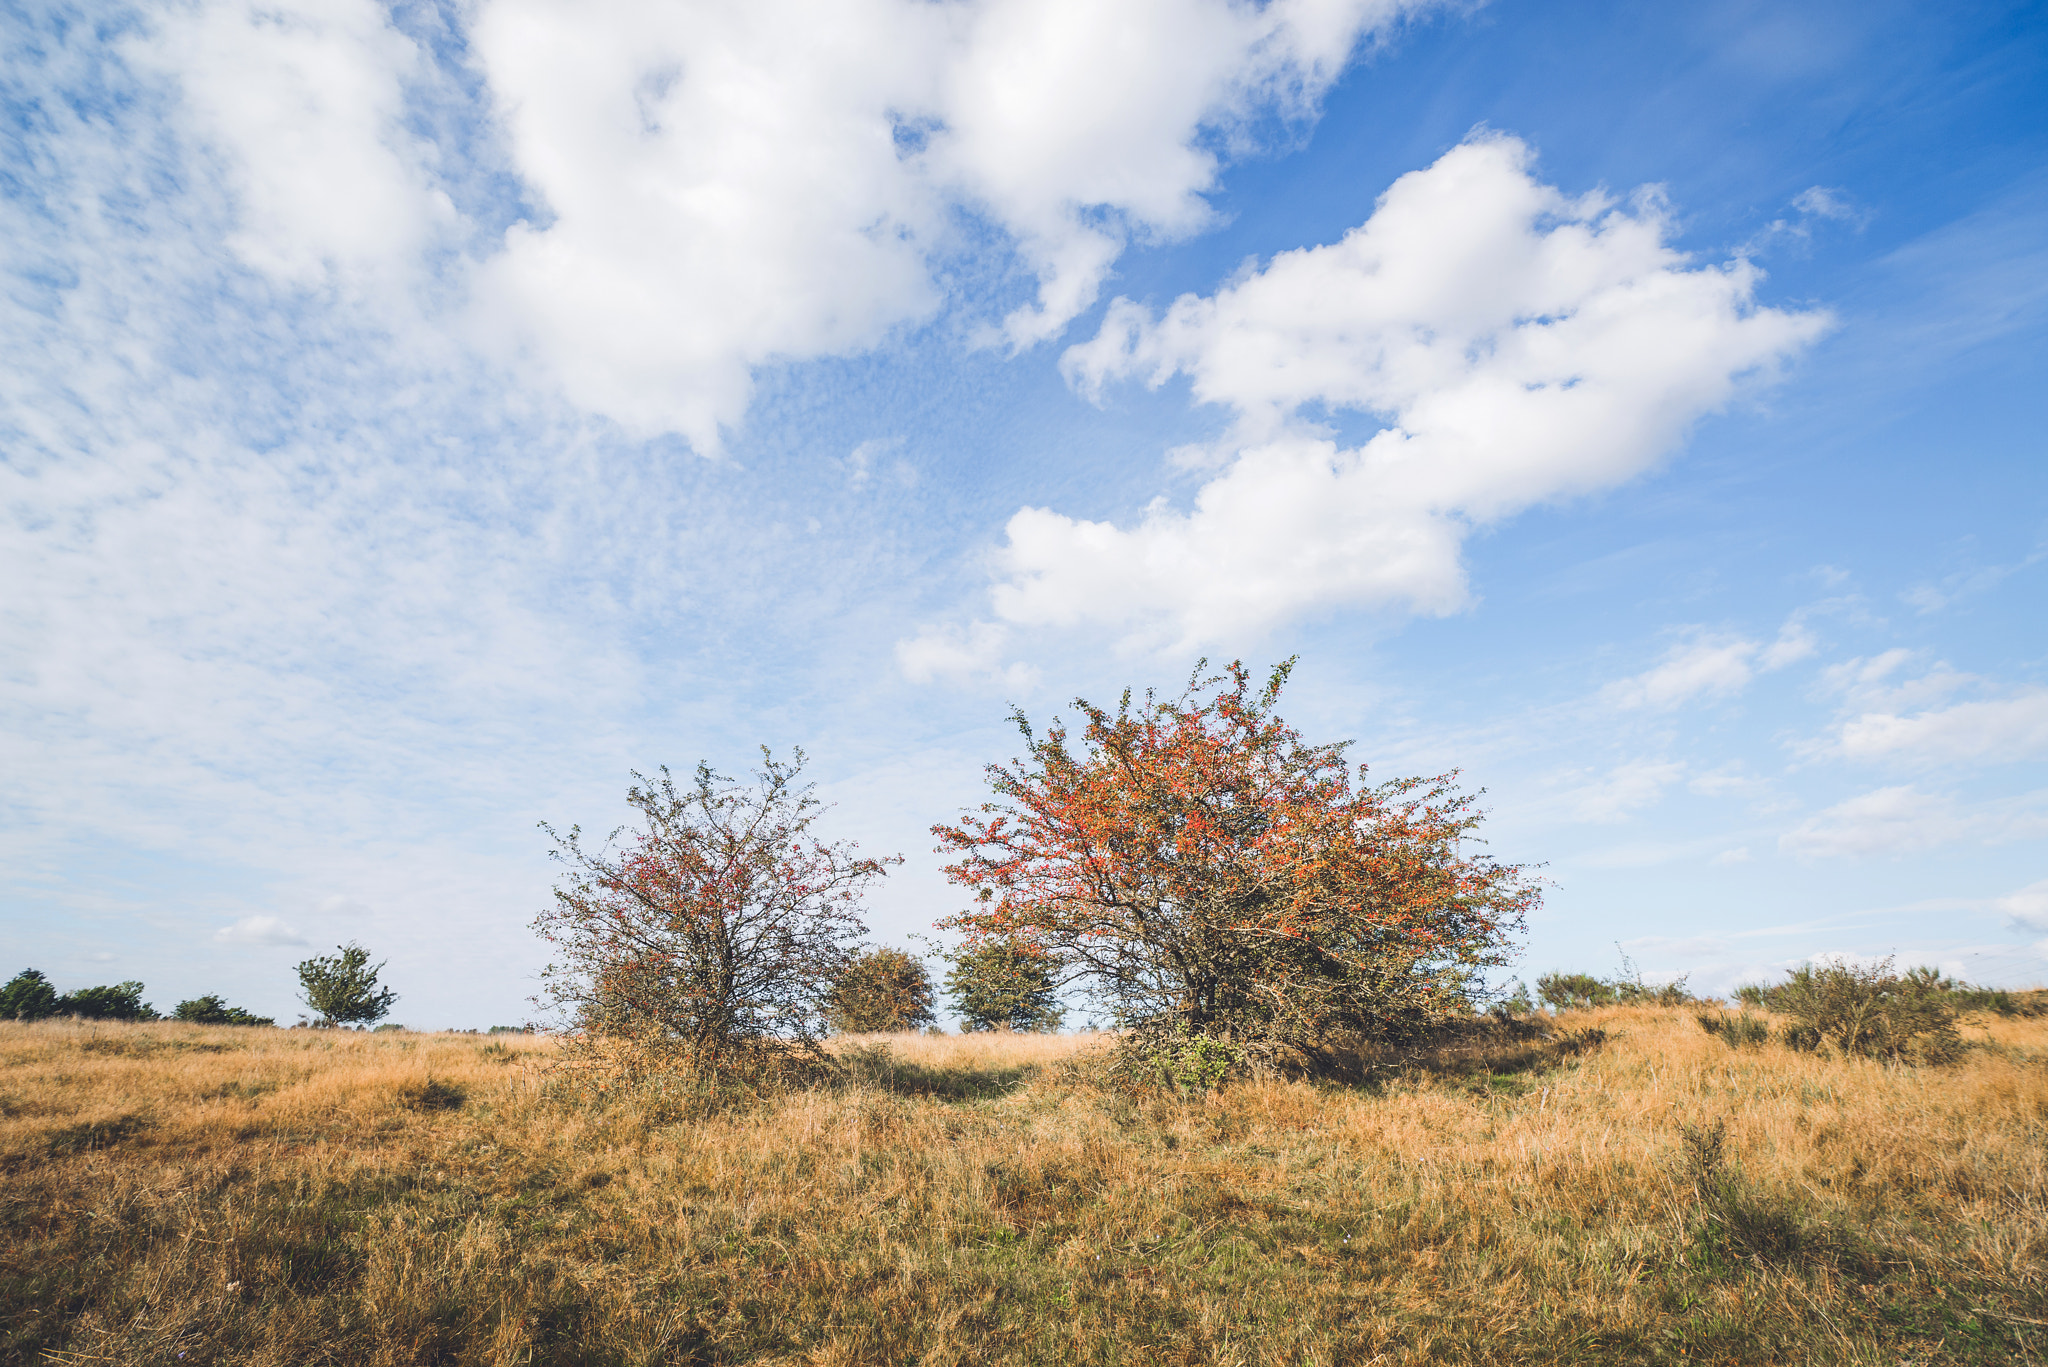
(415, 418)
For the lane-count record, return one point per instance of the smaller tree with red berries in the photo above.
(1217, 879)
(708, 941)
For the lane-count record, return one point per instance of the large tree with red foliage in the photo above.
(1212, 875)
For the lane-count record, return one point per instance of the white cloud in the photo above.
(960, 654)
(2028, 906)
(1872, 684)
(1709, 666)
(259, 930)
(1819, 201)
(1911, 720)
(1903, 820)
(2003, 729)
(732, 183)
(1926, 598)
(1053, 109)
(304, 102)
(1523, 346)
(1897, 820)
(1738, 855)
(1794, 644)
(1622, 790)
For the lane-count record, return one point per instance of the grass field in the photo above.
(172, 1194)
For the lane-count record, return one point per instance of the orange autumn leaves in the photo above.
(1199, 865)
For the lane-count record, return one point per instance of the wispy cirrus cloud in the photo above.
(1902, 819)
(1890, 716)
(1709, 666)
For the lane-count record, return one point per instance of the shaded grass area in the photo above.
(1625, 1189)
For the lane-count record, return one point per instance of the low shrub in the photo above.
(1740, 1031)
(1580, 991)
(1733, 1216)
(1868, 1011)
(1872, 1011)
(1738, 1222)
(1180, 1061)
(211, 1010)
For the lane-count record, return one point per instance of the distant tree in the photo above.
(122, 1002)
(882, 991)
(28, 996)
(341, 988)
(1002, 982)
(708, 942)
(211, 1010)
(1215, 877)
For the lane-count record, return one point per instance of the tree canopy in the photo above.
(999, 982)
(1198, 864)
(342, 987)
(882, 991)
(715, 932)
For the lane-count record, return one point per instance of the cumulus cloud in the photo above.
(1521, 345)
(259, 930)
(1054, 111)
(305, 104)
(710, 187)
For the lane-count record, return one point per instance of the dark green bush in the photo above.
(1739, 1031)
(211, 1010)
(1999, 1000)
(1960, 996)
(28, 997)
(1579, 991)
(1870, 1011)
(122, 1002)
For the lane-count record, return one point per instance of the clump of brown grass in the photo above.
(274, 1197)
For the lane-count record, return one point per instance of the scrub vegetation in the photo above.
(1609, 1185)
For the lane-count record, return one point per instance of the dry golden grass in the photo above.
(176, 1194)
